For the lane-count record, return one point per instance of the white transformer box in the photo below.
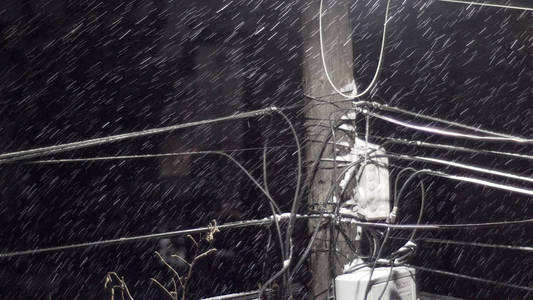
(352, 286)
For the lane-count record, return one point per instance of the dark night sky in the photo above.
(72, 70)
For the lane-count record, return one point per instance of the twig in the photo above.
(174, 297)
(167, 265)
(122, 285)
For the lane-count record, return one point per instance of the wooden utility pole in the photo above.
(337, 42)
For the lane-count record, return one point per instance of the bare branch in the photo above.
(205, 254)
(174, 297)
(181, 258)
(193, 240)
(167, 265)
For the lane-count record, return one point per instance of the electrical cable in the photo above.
(454, 148)
(460, 165)
(334, 216)
(476, 244)
(234, 296)
(385, 238)
(387, 281)
(438, 227)
(294, 210)
(469, 3)
(121, 240)
(265, 183)
(308, 182)
(349, 242)
(354, 94)
(25, 154)
(422, 201)
(410, 248)
(473, 180)
(386, 107)
(473, 278)
(262, 222)
(443, 132)
(233, 160)
(306, 251)
(137, 156)
(332, 227)
(267, 250)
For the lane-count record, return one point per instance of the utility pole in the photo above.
(337, 42)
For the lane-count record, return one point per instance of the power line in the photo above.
(459, 165)
(444, 132)
(462, 276)
(473, 180)
(261, 222)
(240, 296)
(453, 147)
(386, 107)
(469, 3)
(351, 219)
(475, 244)
(141, 156)
(122, 240)
(24, 154)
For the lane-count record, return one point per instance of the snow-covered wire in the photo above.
(471, 244)
(140, 238)
(437, 227)
(137, 156)
(242, 295)
(444, 132)
(470, 3)
(386, 107)
(354, 93)
(25, 154)
(460, 166)
(261, 222)
(447, 147)
(473, 278)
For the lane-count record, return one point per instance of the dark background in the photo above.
(72, 70)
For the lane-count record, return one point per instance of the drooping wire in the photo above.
(308, 182)
(322, 216)
(306, 252)
(392, 219)
(391, 271)
(373, 268)
(265, 183)
(294, 210)
(354, 93)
